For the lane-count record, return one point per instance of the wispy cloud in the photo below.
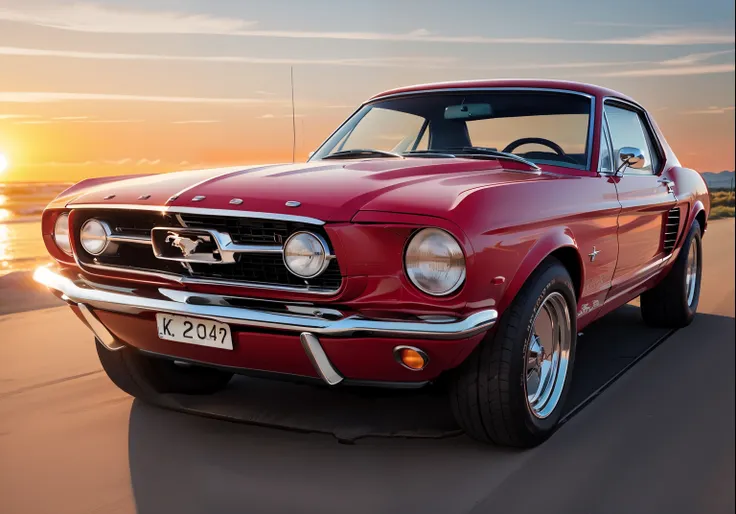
(125, 161)
(64, 164)
(370, 62)
(114, 121)
(39, 97)
(73, 119)
(91, 17)
(688, 60)
(106, 162)
(277, 116)
(17, 116)
(712, 110)
(672, 71)
(629, 24)
(380, 62)
(194, 122)
(676, 38)
(148, 162)
(119, 162)
(34, 122)
(99, 18)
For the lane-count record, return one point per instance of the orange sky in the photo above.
(135, 87)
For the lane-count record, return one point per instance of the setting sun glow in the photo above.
(3, 163)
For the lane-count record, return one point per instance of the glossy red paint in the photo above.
(606, 230)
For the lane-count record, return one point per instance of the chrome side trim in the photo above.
(173, 209)
(98, 329)
(319, 360)
(117, 301)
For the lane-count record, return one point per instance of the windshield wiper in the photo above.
(469, 151)
(361, 152)
(429, 153)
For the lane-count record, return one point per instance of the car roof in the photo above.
(580, 87)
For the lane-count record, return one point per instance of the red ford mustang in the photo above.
(458, 230)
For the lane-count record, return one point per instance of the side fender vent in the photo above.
(671, 229)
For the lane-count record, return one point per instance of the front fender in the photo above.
(553, 240)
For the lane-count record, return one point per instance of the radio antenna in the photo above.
(293, 119)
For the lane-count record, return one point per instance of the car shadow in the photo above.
(184, 463)
(350, 413)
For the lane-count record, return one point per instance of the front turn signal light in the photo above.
(411, 358)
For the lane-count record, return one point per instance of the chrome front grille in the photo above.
(257, 269)
(671, 229)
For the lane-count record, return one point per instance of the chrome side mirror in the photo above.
(632, 157)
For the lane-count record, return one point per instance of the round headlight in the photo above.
(61, 234)
(305, 254)
(435, 262)
(94, 236)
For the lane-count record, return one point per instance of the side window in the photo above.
(627, 129)
(605, 163)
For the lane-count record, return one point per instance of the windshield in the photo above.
(543, 127)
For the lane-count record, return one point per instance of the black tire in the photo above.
(146, 377)
(668, 304)
(488, 393)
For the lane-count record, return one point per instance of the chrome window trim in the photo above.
(591, 120)
(173, 209)
(648, 127)
(609, 142)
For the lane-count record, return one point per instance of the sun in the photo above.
(3, 163)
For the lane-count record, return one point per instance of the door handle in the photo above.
(667, 182)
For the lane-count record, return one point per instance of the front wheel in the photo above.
(674, 301)
(512, 389)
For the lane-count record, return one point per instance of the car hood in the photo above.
(326, 190)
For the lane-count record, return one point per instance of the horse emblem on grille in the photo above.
(187, 245)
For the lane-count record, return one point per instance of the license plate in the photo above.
(202, 332)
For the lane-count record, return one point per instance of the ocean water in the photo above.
(21, 205)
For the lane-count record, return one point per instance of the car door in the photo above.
(644, 194)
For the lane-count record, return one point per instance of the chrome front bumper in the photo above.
(124, 300)
(87, 296)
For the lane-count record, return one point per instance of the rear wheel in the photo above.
(512, 389)
(674, 301)
(144, 377)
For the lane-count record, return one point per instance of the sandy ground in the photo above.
(660, 439)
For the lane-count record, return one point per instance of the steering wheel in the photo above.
(513, 145)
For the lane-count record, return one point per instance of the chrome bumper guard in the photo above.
(124, 300)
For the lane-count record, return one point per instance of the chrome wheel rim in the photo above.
(547, 355)
(691, 273)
